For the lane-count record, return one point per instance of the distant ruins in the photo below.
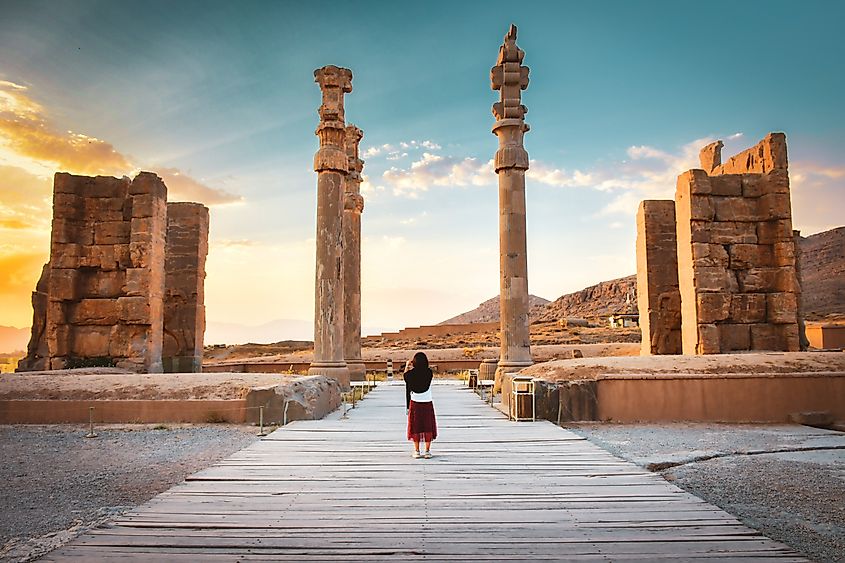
(510, 77)
(737, 277)
(124, 284)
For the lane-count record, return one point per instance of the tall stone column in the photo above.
(353, 206)
(510, 78)
(331, 166)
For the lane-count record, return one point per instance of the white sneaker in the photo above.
(416, 455)
(427, 455)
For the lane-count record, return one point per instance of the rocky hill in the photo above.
(823, 270)
(605, 298)
(488, 312)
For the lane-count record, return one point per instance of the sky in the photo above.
(219, 99)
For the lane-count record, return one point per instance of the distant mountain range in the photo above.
(267, 333)
(823, 268)
(13, 339)
(488, 311)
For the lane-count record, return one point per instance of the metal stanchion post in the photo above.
(261, 431)
(91, 433)
(343, 399)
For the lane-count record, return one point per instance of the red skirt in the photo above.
(422, 426)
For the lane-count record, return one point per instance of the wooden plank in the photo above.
(347, 490)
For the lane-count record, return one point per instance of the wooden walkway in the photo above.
(348, 490)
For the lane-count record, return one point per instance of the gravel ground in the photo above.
(57, 484)
(795, 495)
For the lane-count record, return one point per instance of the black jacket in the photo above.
(417, 381)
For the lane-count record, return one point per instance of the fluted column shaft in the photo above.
(352, 210)
(331, 166)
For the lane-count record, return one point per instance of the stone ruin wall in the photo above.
(736, 252)
(100, 299)
(184, 300)
(737, 267)
(658, 297)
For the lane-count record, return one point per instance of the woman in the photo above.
(422, 426)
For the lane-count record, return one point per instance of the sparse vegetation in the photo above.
(98, 362)
(8, 362)
(472, 352)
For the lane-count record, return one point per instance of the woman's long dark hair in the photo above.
(421, 361)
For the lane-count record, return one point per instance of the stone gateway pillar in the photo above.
(331, 166)
(511, 162)
(353, 206)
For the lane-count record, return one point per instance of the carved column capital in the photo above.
(509, 77)
(354, 201)
(334, 83)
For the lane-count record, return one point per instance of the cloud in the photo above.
(25, 130)
(399, 150)
(647, 173)
(437, 170)
(28, 139)
(558, 177)
(369, 189)
(818, 196)
(181, 187)
(26, 201)
(236, 244)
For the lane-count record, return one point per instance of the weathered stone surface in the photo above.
(331, 164)
(735, 209)
(89, 341)
(733, 232)
(352, 209)
(658, 296)
(774, 231)
(727, 185)
(100, 298)
(713, 307)
(748, 308)
(93, 312)
(709, 255)
(711, 156)
(769, 154)
(747, 256)
(734, 337)
(737, 263)
(708, 339)
(509, 77)
(37, 353)
(184, 295)
(782, 308)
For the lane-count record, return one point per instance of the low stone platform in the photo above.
(66, 396)
(749, 387)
